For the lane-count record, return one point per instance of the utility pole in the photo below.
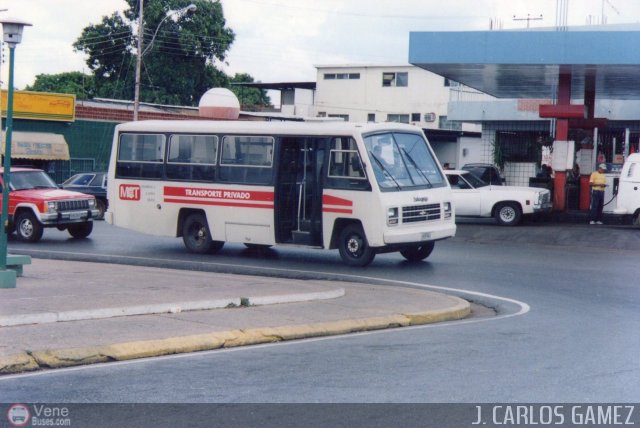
(136, 96)
(528, 19)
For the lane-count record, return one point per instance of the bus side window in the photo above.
(247, 159)
(192, 157)
(140, 155)
(346, 170)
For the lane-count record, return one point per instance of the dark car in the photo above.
(90, 183)
(486, 172)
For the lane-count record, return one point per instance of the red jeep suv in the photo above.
(36, 202)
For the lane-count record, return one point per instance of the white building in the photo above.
(375, 93)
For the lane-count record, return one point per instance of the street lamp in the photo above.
(12, 30)
(136, 97)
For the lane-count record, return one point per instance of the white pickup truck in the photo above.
(473, 197)
(629, 189)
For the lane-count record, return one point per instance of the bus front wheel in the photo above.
(354, 248)
(196, 235)
(417, 253)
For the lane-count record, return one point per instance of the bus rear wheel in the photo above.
(196, 235)
(353, 246)
(417, 253)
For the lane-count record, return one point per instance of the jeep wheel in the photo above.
(28, 228)
(80, 230)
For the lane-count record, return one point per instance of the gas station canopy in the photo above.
(527, 64)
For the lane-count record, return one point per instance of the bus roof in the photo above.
(269, 128)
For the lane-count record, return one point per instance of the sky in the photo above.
(283, 40)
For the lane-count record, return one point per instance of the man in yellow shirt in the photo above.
(597, 181)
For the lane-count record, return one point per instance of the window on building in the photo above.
(415, 117)
(341, 76)
(518, 146)
(371, 117)
(390, 79)
(401, 118)
(344, 117)
(444, 123)
(450, 83)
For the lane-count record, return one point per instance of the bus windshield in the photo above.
(402, 160)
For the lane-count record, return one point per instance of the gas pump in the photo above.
(611, 191)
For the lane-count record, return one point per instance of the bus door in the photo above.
(298, 198)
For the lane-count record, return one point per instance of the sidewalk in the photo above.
(69, 313)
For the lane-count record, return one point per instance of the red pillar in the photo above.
(585, 192)
(562, 134)
(590, 102)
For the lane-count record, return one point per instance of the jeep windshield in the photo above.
(27, 180)
(402, 160)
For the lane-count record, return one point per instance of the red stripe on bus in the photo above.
(227, 194)
(218, 203)
(334, 200)
(337, 210)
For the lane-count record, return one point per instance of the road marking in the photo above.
(523, 309)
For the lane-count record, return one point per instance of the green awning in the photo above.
(37, 145)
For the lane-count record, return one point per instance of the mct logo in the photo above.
(129, 192)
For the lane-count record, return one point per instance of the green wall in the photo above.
(86, 139)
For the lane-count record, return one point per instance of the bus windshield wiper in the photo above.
(384, 170)
(415, 165)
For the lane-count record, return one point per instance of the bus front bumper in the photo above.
(410, 235)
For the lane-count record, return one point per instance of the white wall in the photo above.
(357, 98)
(470, 150)
(446, 153)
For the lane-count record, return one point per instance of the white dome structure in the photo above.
(219, 103)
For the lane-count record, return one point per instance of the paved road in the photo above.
(577, 343)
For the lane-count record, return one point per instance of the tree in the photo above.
(74, 82)
(250, 98)
(178, 64)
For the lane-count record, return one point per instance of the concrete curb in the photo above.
(165, 308)
(58, 358)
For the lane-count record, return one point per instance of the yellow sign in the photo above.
(41, 106)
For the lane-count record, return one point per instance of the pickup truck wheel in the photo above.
(417, 253)
(28, 228)
(80, 230)
(508, 214)
(196, 235)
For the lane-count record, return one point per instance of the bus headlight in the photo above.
(447, 209)
(392, 216)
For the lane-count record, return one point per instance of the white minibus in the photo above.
(361, 188)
